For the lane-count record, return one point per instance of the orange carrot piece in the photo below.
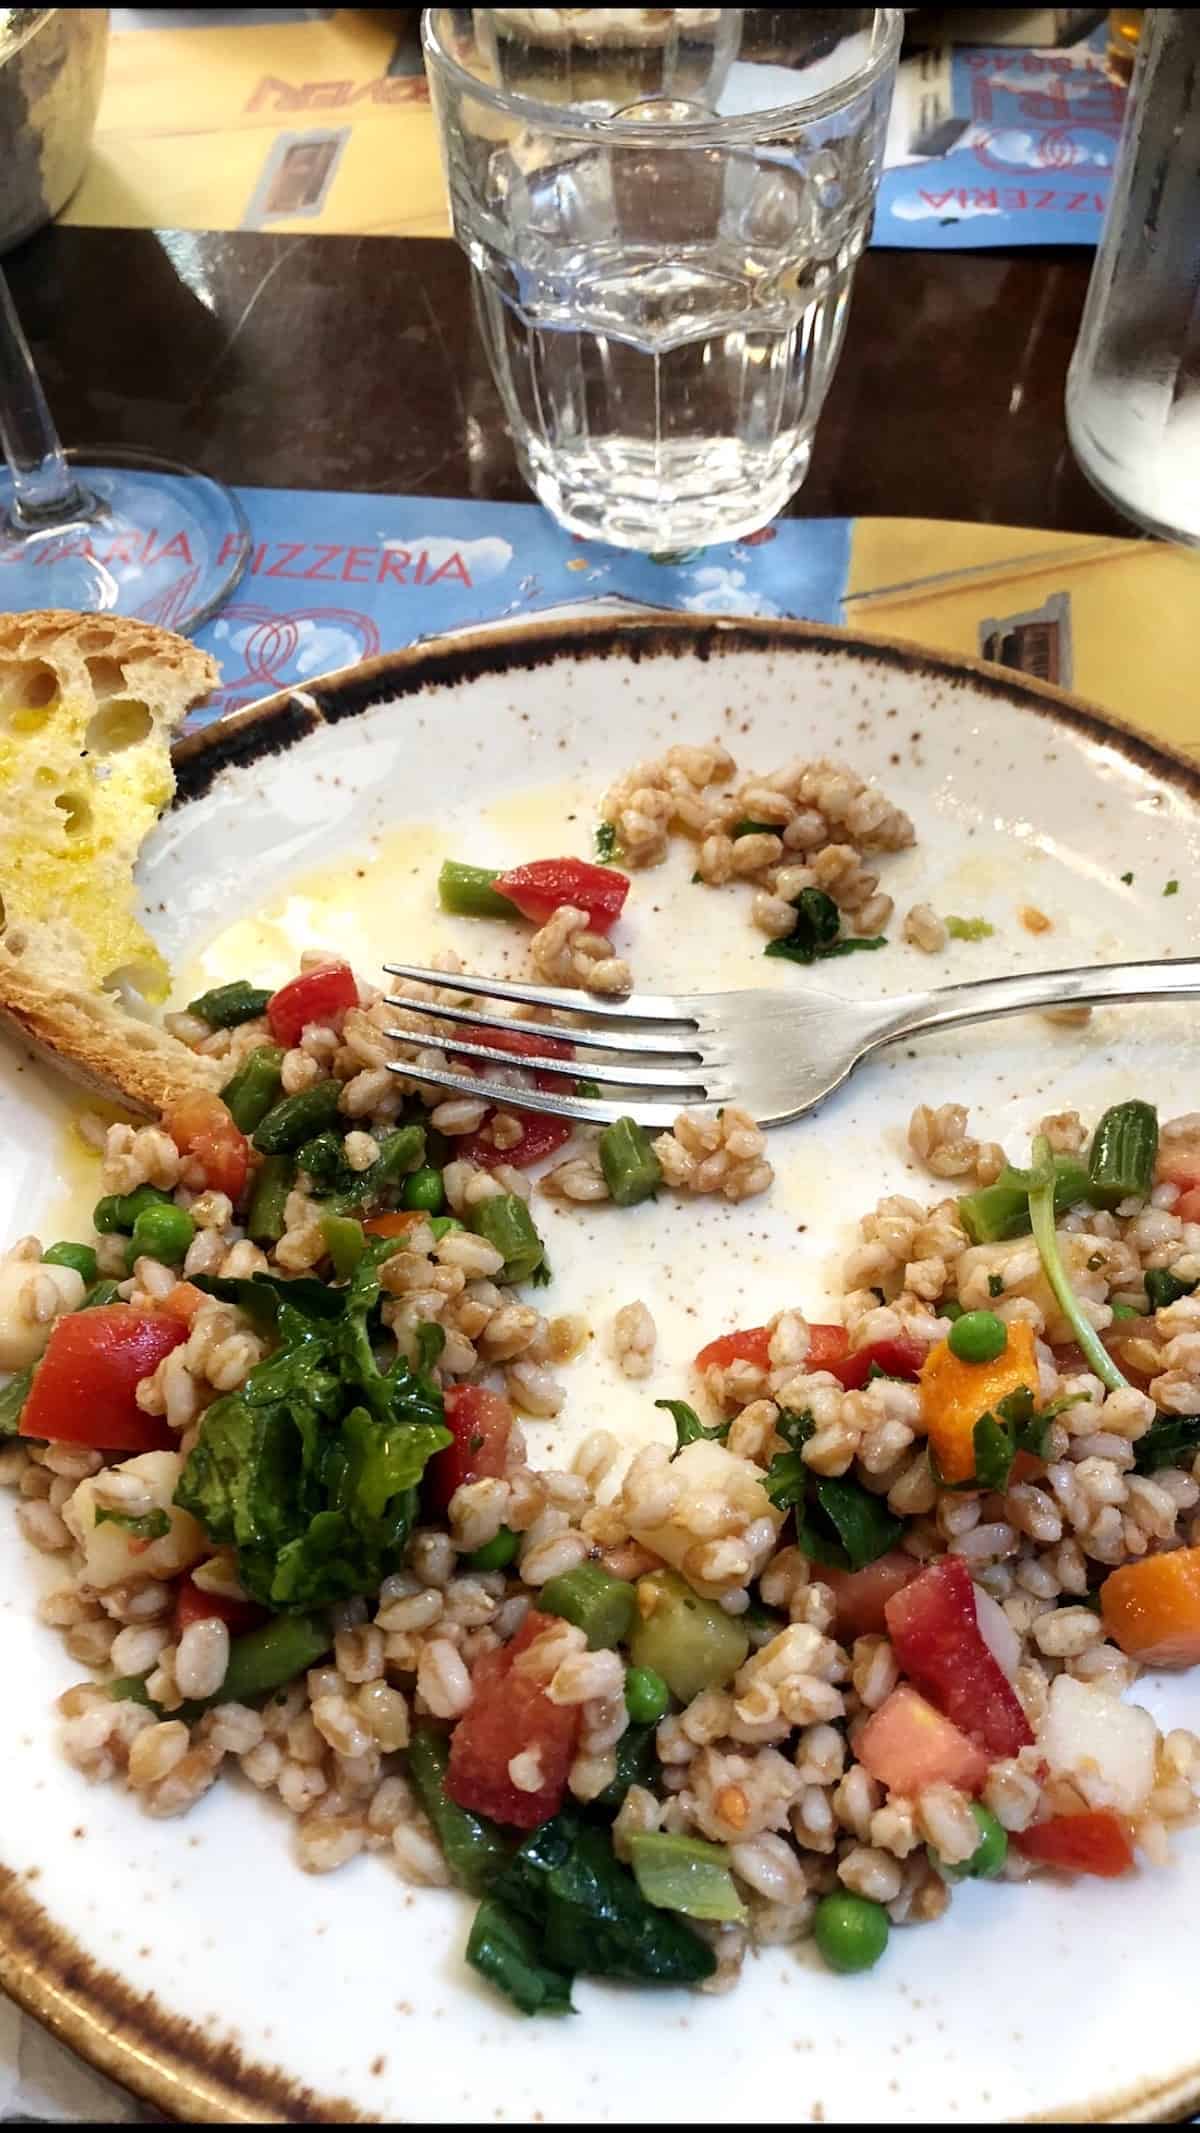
(955, 1394)
(1152, 1608)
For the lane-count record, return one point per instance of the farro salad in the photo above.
(859, 1626)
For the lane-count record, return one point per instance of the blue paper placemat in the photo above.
(334, 578)
(991, 145)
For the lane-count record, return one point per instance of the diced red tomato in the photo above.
(936, 1638)
(750, 1345)
(201, 1126)
(510, 1714)
(1094, 1842)
(183, 1301)
(315, 996)
(541, 1135)
(542, 887)
(523, 1045)
(84, 1388)
(827, 1346)
(1178, 1163)
(907, 1745)
(862, 1595)
(481, 1424)
(1187, 1206)
(900, 1357)
(192, 1604)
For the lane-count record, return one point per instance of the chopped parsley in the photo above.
(995, 1284)
(749, 828)
(1172, 889)
(815, 935)
(607, 847)
(152, 1526)
(1128, 880)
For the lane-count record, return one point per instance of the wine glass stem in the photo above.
(45, 491)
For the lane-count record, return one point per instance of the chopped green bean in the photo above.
(263, 1660)
(400, 1153)
(505, 1222)
(266, 1658)
(603, 1606)
(467, 892)
(631, 1169)
(997, 1212)
(265, 1221)
(227, 1005)
(254, 1089)
(497, 1553)
(295, 1119)
(1123, 1153)
(345, 1242)
(80, 1257)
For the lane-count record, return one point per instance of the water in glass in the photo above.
(663, 293)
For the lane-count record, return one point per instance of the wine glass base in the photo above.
(146, 537)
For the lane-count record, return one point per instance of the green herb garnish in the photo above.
(815, 937)
(152, 1526)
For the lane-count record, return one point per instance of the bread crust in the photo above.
(43, 997)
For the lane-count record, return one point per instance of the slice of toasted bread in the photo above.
(88, 704)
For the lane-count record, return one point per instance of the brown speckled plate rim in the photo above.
(126, 2034)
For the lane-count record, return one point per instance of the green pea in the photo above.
(646, 1695)
(977, 1337)
(79, 1256)
(850, 1931)
(496, 1554)
(163, 1232)
(989, 1856)
(423, 1191)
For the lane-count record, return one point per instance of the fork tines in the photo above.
(637, 1027)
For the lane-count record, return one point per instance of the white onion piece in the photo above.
(998, 1633)
(1108, 1748)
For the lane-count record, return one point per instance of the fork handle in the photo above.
(988, 997)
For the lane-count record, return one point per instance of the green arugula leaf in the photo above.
(311, 1470)
(1172, 1441)
(863, 1524)
(12, 1401)
(814, 937)
(1163, 1287)
(588, 1913)
(689, 1429)
(503, 1948)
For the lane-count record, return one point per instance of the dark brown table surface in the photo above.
(352, 363)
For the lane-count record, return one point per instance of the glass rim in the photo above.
(746, 126)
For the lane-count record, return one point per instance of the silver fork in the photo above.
(777, 1053)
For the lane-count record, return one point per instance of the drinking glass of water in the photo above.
(1133, 391)
(663, 209)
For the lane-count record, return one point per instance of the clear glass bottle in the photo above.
(1133, 391)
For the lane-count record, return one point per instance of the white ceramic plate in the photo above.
(193, 1959)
